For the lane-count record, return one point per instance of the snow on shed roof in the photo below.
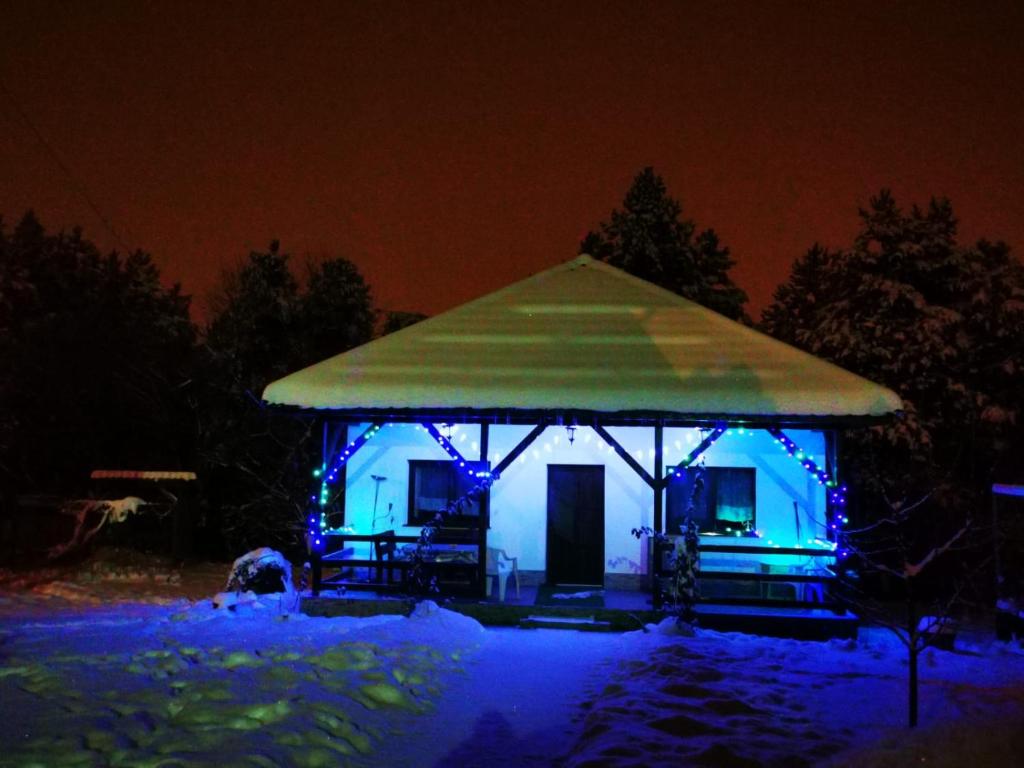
(584, 336)
(140, 474)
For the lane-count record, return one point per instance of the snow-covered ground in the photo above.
(120, 670)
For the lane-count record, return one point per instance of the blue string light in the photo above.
(451, 450)
(317, 520)
(836, 492)
(693, 455)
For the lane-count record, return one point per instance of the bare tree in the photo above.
(904, 544)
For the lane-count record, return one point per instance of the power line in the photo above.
(77, 186)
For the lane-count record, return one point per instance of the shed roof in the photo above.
(140, 474)
(584, 337)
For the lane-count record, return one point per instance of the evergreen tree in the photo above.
(336, 312)
(397, 320)
(256, 322)
(796, 300)
(648, 239)
(97, 362)
(940, 323)
(256, 460)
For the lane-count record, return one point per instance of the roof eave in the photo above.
(585, 417)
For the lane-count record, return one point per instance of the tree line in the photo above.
(103, 365)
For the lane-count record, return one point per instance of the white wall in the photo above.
(519, 497)
(780, 481)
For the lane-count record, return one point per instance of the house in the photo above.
(587, 400)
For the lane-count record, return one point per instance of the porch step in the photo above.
(580, 623)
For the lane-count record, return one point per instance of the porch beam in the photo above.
(693, 455)
(525, 443)
(340, 435)
(624, 455)
(824, 476)
(445, 443)
(350, 450)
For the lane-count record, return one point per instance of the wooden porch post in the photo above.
(659, 471)
(315, 561)
(332, 440)
(485, 519)
(654, 553)
(831, 465)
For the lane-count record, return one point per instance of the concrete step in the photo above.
(580, 623)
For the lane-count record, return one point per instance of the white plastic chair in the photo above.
(501, 566)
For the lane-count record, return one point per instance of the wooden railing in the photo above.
(456, 562)
(811, 587)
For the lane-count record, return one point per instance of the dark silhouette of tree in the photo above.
(257, 461)
(336, 312)
(397, 320)
(796, 301)
(941, 323)
(97, 362)
(648, 239)
(256, 320)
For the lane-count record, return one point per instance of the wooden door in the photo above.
(575, 524)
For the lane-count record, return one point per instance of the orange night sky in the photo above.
(450, 148)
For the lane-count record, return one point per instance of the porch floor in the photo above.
(622, 610)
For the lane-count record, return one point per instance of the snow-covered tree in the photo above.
(265, 325)
(940, 323)
(647, 238)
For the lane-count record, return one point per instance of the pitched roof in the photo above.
(584, 337)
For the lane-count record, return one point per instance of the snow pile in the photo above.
(188, 684)
(444, 623)
(249, 600)
(577, 595)
(672, 627)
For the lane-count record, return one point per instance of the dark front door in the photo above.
(575, 524)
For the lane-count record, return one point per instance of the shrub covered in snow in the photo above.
(262, 571)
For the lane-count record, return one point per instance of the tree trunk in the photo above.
(912, 709)
(912, 636)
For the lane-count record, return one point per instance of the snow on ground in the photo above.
(90, 678)
(740, 700)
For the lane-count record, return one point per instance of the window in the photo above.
(726, 504)
(433, 485)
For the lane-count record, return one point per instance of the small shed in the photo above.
(171, 495)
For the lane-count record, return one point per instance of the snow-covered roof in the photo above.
(583, 337)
